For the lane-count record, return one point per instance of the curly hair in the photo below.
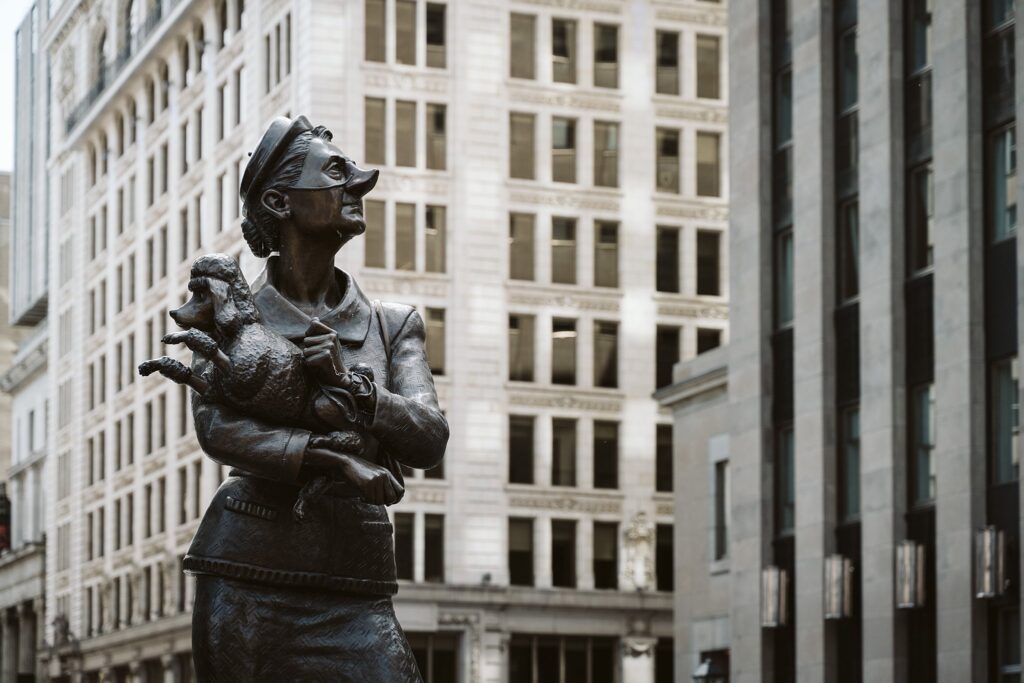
(259, 226)
(223, 267)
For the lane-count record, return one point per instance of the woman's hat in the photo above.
(272, 145)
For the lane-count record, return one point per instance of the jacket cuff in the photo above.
(294, 454)
(383, 409)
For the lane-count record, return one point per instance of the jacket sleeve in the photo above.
(249, 444)
(407, 422)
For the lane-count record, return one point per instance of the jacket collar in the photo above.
(350, 318)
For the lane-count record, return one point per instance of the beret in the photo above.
(272, 145)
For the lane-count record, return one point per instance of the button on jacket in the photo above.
(249, 532)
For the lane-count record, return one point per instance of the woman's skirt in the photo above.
(245, 631)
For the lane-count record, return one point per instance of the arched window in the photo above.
(150, 100)
(164, 79)
(99, 57)
(91, 164)
(184, 55)
(103, 153)
(222, 23)
(119, 134)
(132, 122)
(129, 25)
(199, 41)
(239, 10)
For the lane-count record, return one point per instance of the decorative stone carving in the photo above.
(639, 542)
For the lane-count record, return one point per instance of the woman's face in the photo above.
(326, 202)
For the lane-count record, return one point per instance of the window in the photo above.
(784, 279)
(433, 548)
(785, 482)
(606, 254)
(849, 464)
(667, 160)
(520, 449)
(405, 236)
(708, 339)
(404, 544)
(606, 56)
(606, 555)
(606, 455)
(1005, 422)
(405, 31)
(521, 248)
(922, 444)
(542, 659)
(708, 261)
(563, 452)
(563, 351)
(606, 154)
(436, 656)
(849, 252)
(563, 554)
(606, 354)
(520, 551)
(520, 347)
(374, 35)
(708, 171)
(663, 459)
(721, 549)
(521, 146)
(666, 272)
(563, 250)
(563, 50)
(1002, 184)
(920, 212)
(435, 340)
(667, 63)
(666, 354)
(376, 123)
(436, 156)
(563, 150)
(436, 35)
(708, 61)
(664, 563)
(435, 238)
(523, 28)
(405, 132)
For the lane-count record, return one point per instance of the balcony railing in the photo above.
(107, 73)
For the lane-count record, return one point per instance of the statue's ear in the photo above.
(276, 202)
(225, 314)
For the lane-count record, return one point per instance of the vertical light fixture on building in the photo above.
(838, 587)
(910, 568)
(990, 561)
(774, 584)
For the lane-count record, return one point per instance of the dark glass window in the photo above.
(709, 171)
(849, 464)
(708, 339)
(563, 250)
(606, 154)
(404, 544)
(436, 35)
(433, 548)
(1002, 183)
(785, 482)
(544, 659)
(920, 238)
(606, 56)
(520, 551)
(606, 354)
(922, 444)
(523, 44)
(1004, 412)
(606, 455)
(563, 50)
(563, 553)
(436, 656)
(667, 260)
(721, 501)
(520, 449)
(606, 254)
(521, 145)
(667, 63)
(563, 149)
(520, 347)
(563, 351)
(663, 459)
(667, 160)
(563, 452)
(606, 555)
(664, 563)
(521, 248)
(708, 262)
(666, 354)
(708, 66)
(849, 252)
(784, 279)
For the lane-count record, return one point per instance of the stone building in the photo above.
(850, 490)
(552, 199)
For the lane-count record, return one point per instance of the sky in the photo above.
(15, 11)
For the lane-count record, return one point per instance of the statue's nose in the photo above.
(361, 181)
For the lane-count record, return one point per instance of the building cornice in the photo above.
(25, 365)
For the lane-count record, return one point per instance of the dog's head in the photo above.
(221, 301)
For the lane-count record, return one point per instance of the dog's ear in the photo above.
(225, 314)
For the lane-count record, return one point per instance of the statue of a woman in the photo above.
(284, 599)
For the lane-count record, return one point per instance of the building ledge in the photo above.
(30, 359)
(699, 376)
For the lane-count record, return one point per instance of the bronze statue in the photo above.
(314, 396)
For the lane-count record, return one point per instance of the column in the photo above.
(172, 668)
(542, 551)
(960, 396)
(135, 673)
(9, 666)
(26, 639)
(39, 612)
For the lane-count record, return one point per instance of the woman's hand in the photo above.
(333, 454)
(322, 352)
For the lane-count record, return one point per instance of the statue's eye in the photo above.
(334, 170)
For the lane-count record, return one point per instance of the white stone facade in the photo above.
(149, 168)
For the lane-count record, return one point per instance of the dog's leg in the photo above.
(175, 371)
(203, 344)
